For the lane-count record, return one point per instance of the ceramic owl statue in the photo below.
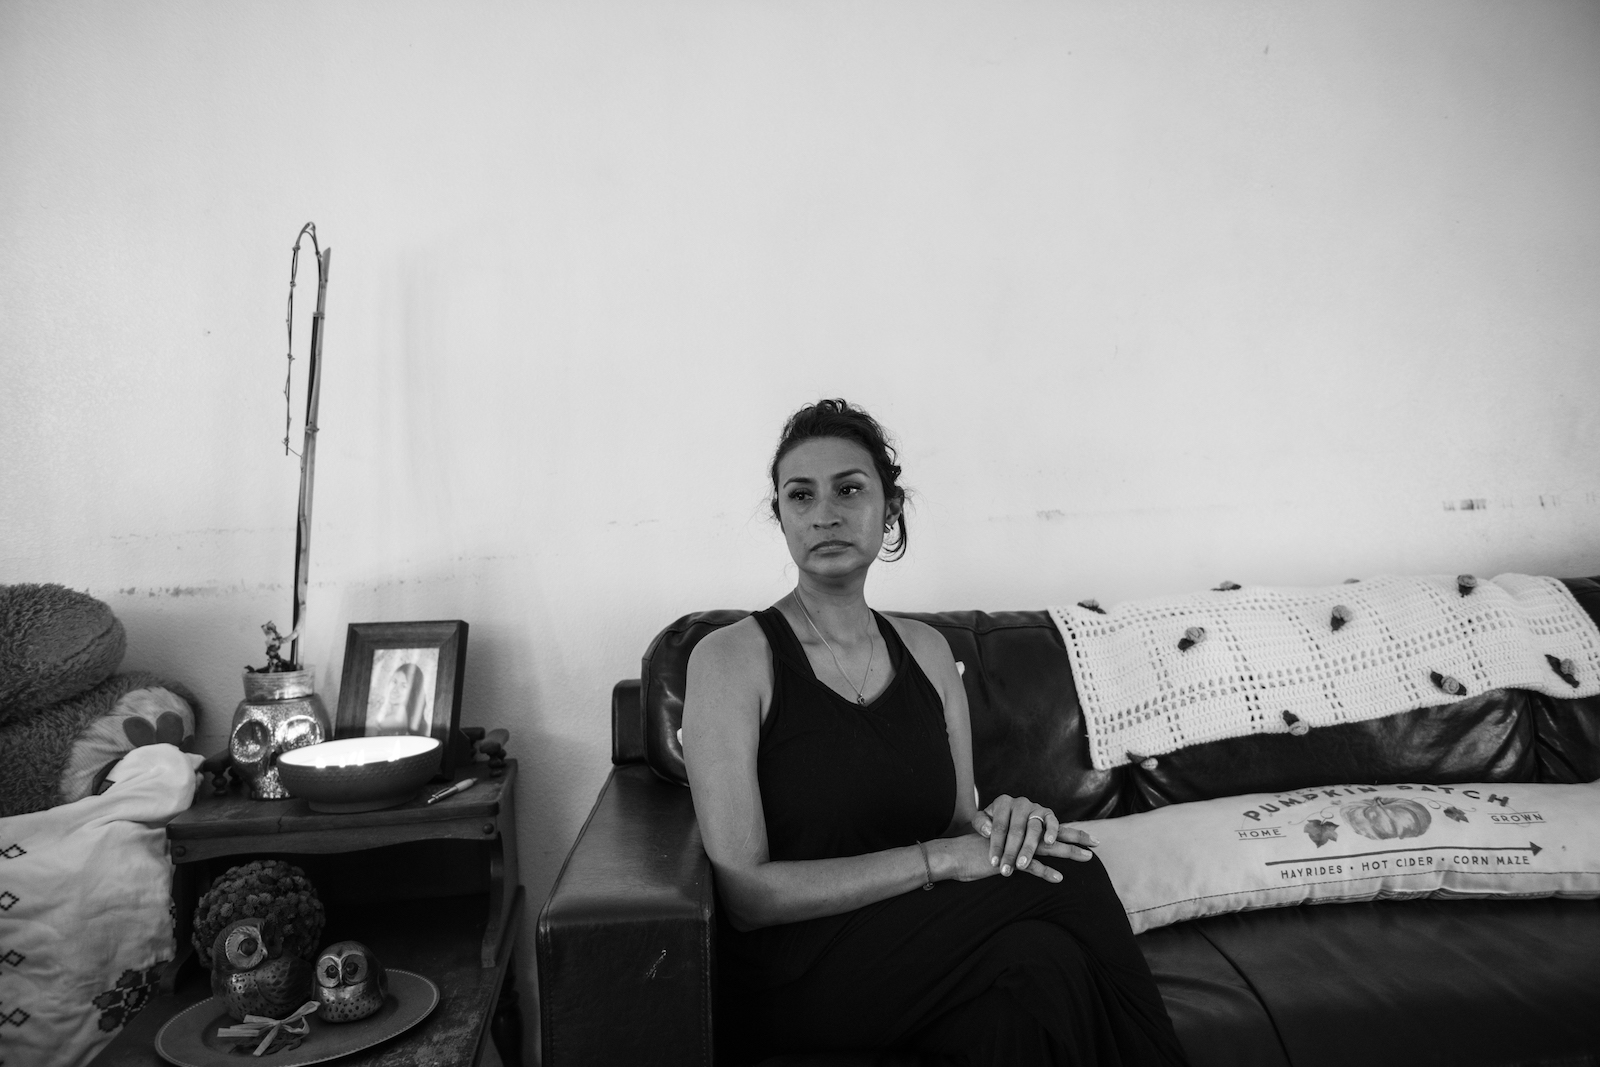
(253, 975)
(351, 983)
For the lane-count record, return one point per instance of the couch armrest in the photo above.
(626, 972)
(627, 722)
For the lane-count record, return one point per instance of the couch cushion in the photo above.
(1027, 727)
(1216, 1014)
(1484, 738)
(1568, 731)
(1466, 983)
(665, 675)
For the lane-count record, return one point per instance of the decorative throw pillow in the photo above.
(150, 716)
(86, 910)
(1352, 843)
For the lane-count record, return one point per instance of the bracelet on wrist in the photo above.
(927, 866)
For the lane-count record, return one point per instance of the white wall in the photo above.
(1154, 294)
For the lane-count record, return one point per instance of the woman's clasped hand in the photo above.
(1008, 833)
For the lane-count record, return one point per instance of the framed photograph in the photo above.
(403, 678)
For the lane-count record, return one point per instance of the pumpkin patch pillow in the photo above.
(1352, 843)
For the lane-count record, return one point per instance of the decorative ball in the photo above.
(261, 889)
(350, 982)
(252, 972)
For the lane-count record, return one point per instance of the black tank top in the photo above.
(839, 779)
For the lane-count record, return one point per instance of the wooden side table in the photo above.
(429, 888)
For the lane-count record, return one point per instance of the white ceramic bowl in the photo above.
(360, 773)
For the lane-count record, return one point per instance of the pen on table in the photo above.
(450, 790)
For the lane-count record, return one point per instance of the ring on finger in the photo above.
(1036, 816)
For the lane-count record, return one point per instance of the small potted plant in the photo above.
(280, 709)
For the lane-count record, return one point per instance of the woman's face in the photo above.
(831, 506)
(389, 716)
(399, 690)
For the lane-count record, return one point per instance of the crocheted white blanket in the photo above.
(1250, 655)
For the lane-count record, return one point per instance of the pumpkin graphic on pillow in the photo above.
(1385, 818)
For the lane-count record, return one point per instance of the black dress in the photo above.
(1003, 971)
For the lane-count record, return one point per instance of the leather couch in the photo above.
(626, 940)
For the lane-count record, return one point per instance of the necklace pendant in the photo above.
(861, 700)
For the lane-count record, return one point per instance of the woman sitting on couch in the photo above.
(830, 755)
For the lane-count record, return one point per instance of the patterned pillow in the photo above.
(149, 716)
(85, 910)
(1351, 843)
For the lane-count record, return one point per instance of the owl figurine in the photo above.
(252, 974)
(351, 983)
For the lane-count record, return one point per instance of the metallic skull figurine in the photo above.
(351, 983)
(253, 975)
(279, 712)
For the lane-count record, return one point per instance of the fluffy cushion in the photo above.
(1350, 843)
(85, 893)
(55, 643)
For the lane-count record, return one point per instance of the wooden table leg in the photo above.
(503, 882)
(188, 881)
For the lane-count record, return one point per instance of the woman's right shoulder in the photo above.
(738, 649)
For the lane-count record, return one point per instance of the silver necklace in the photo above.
(872, 650)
